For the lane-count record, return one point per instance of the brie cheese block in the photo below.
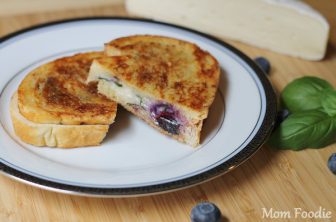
(290, 27)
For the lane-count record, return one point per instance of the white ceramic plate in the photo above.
(134, 159)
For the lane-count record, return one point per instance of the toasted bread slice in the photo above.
(167, 82)
(57, 93)
(55, 135)
(169, 69)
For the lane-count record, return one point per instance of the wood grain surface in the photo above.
(15, 7)
(282, 180)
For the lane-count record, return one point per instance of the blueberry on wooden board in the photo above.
(205, 212)
(264, 64)
(332, 163)
(281, 116)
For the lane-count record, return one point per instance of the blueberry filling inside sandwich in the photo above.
(162, 114)
(165, 116)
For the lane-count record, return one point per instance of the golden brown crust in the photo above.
(57, 93)
(173, 70)
(54, 135)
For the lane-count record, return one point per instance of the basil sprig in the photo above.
(312, 122)
(304, 94)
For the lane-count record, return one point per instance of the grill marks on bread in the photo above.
(58, 93)
(55, 93)
(169, 69)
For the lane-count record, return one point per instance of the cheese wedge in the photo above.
(290, 27)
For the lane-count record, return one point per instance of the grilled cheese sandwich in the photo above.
(169, 83)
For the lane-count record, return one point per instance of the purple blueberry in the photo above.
(264, 64)
(281, 116)
(205, 212)
(169, 124)
(332, 163)
(165, 116)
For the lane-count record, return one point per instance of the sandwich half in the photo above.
(169, 83)
(55, 107)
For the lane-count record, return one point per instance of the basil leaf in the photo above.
(313, 128)
(304, 94)
(329, 102)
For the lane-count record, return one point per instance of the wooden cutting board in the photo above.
(271, 179)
